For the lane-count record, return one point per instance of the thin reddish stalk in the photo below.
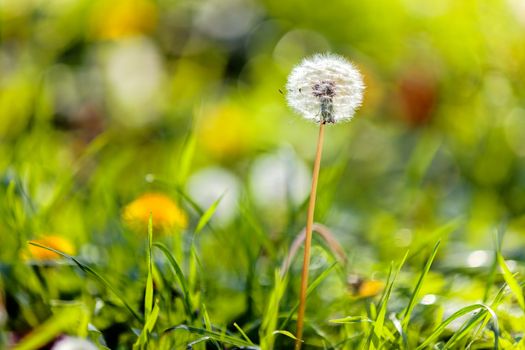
(308, 240)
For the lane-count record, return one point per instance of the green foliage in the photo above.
(104, 101)
(415, 293)
(50, 329)
(96, 276)
(268, 329)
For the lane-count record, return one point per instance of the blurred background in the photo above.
(103, 101)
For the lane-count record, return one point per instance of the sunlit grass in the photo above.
(175, 301)
(154, 185)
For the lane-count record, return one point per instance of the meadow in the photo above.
(154, 183)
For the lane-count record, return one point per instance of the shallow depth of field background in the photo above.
(104, 101)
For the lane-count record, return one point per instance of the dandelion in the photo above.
(365, 288)
(123, 18)
(221, 141)
(165, 213)
(325, 89)
(370, 288)
(55, 242)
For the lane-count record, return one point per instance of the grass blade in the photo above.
(207, 324)
(352, 319)
(451, 344)
(206, 318)
(271, 313)
(180, 276)
(309, 291)
(242, 332)
(184, 164)
(148, 299)
(511, 281)
(142, 341)
(206, 217)
(462, 312)
(399, 328)
(286, 333)
(183, 195)
(153, 318)
(50, 329)
(415, 293)
(213, 335)
(96, 276)
(378, 331)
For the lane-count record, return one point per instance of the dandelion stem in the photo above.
(308, 240)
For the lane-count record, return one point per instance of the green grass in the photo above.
(216, 286)
(104, 101)
(371, 331)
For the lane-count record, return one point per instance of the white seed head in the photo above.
(325, 88)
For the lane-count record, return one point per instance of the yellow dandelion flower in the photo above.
(225, 132)
(123, 18)
(370, 288)
(165, 213)
(59, 243)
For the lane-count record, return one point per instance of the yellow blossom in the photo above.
(165, 213)
(370, 288)
(225, 131)
(122, 18)
(59, 243)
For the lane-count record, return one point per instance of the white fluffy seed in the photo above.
(325, 88)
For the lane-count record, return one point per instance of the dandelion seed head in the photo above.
(325, 88)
